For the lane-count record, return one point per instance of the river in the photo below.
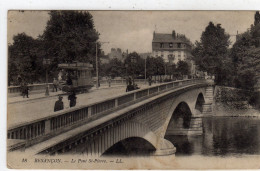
(222, 136)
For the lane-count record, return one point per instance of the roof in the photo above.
(161, 37)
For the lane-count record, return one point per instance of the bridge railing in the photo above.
(62, 120)
(33, 87)
(15, 90)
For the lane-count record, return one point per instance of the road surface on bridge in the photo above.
(26, 111)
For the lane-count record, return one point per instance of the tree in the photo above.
(155, 66)
(245, 55)
(135, 64)
(247, 60)
(23, 59)
(171, 69)
(115, 68)
(212, 50)
(183, 68)
(69, 36)
(257, 18)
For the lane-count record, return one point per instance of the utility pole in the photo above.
(97, 82)
(46, 62)
(145, 70)
(165, 69)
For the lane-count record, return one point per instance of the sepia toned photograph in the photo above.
(133, 89)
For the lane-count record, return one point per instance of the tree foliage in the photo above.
(245, 55)
(257, 18)
(213, 46)
(23, 59)
(246, 58)
(115, 68)
(155, 66)
(183, 68)
(70, 35)
(211, 52)
(134, 64)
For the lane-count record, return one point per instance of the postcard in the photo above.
(133, 89)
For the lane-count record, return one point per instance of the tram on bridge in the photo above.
(78, 77)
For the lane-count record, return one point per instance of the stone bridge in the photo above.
(137, 121)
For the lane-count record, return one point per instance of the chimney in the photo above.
(173, 34)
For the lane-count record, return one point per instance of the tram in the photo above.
(77, 77)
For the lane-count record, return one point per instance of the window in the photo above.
(161, 45)
(170, 45)
(171, 57)
(179, 45)
(184, 45)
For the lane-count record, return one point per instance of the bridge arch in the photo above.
(180, 118)
(193, 100)
(131, 131)
(131, 146)
(199, 102)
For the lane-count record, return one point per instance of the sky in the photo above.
(133, 30)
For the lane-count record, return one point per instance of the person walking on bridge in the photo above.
(59, 104)
(150, 80)
(72, 97)
(25, 90)
(55, 84)
(109, 81)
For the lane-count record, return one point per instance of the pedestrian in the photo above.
(19, 80)
(98, 82)
(130, 87)
(55, 84)
(25, 90)
(130, 80)
(72, 97)
(59, 104)
(150, 80)
(109, 81)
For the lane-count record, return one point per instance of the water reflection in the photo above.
(222, 136)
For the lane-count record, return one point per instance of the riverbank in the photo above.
(222, 109)
(235, 102)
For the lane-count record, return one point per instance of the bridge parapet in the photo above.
(39, 88)
(44, 128)
(14, 90)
